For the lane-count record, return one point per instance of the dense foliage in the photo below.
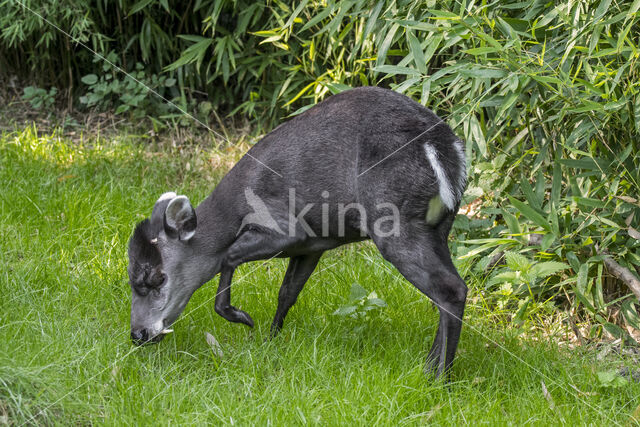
(546, 96)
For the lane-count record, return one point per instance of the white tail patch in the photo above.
(447, 195)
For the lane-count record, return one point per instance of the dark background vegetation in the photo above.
(544, 94)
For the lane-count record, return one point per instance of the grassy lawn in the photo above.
(66, 212)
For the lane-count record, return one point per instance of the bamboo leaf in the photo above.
(530, 213)
(416, 51)
(394, 69)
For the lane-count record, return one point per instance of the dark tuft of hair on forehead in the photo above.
(141, 250)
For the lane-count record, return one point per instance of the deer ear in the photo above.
(180, 219)
(157, 215)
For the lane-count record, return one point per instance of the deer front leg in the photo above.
(251, 245)
(223, 300)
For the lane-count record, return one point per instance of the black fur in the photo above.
(363, 146)
(145, 262)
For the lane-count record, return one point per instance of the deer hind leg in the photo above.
(423, 258)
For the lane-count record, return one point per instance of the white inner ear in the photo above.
(167, 196)
(178, 210)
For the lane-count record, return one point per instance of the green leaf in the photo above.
(547, 241)
(295, 13)
(357, 292)
(337, 87)
(395, 69)
(345, 310)
(611, 379)
(573, 261)
(519, 317)
(517, 262)
(416, 51)
(432, 46)
(548, 268)
(373, 18)
(386, 43)
(477, 135)
(585, 301)
(377, 302)
(89, 79)
(631, 314)
(319, 17)
(582, 277)
(486, 246)
(602, 9)
(444, 14)
(512, 222)
(485, 73)
(122, 108)
(482, 50)
(556, 185)
(633, 8)
(530, 213)
(139, 6)
(615, 330)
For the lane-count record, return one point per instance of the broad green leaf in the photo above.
(530, 213)
(573, 261)
(477, 135)
(394, 69)
(582, 278)
(345, 310)
(432, 45)
(611, 378)
(376, 302)
(357, 292)
(512, 222)
(517, 262)
(507, 104)
(547, 241)
(485, 73)
(89, 79)
(547, 268)
(416, 51)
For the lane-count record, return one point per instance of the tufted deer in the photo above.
(367, 163)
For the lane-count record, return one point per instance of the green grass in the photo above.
(66, 212)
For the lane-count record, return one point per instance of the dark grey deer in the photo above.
(367, 163)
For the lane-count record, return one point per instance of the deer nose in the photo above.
(139, 337)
